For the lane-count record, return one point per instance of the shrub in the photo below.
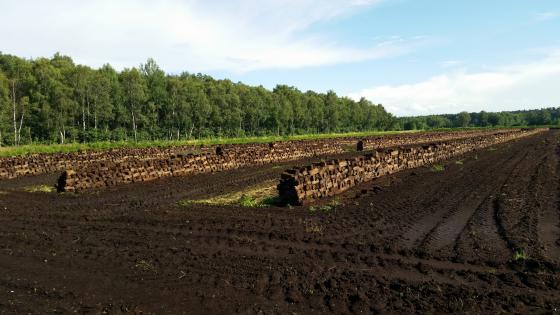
(248, 201)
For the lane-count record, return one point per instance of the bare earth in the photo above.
(482, 236)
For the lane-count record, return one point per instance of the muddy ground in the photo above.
(481, 236)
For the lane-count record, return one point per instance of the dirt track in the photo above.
(419, 240)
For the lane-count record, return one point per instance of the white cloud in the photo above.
(517, 86)
(190, 35)
(546, 16)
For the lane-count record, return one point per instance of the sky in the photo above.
(415, 57)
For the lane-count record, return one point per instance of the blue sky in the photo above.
(413, 56)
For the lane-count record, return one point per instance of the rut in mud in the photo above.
(480, 236)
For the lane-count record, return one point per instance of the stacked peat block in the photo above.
(307, 184)
(373, 143)
(13, 167)
(280, 151)
(112, 173)
(91, 169)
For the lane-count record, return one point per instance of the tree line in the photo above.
(54, 100)
(537, 117)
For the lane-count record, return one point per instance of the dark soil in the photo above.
(482, 236)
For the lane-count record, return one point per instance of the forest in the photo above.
(536, 117)
(54, 100)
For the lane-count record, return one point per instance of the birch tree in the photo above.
(134, 91)
(4, 102)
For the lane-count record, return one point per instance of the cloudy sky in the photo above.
(412, 56)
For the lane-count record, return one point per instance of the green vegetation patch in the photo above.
(331, 206)
(39, 188)
(261, 195)
(438, 168)
(519, 255)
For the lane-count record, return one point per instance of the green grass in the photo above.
(519, 255)
(261, 195)
(248, 201)
(326, 208)
(335, 202)
(438, 168)
(460, 162)
(39, 188)
(258, 202)
(270, 201)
